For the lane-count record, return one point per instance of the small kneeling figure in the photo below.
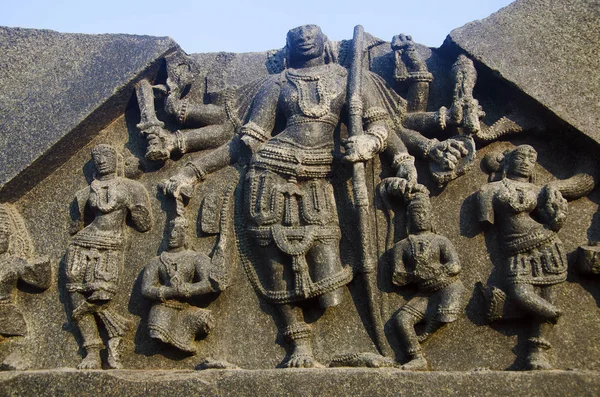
(431, 262)
(172, 280)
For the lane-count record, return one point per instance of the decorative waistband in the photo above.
(289, 158)
(529, 241)
(98, 241)
(329, 119)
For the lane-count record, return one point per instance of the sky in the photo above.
(246, 26)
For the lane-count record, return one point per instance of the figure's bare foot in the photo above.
(537, 361)
(91, 360)
(416, 364)
(424, 336)
(302, 360)
(114, 359)
(370, 360)
(211, 363)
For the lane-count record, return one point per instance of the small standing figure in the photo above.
(172, 280)
(431, 262)
(536, 261)
(95, 255)
(17, 263)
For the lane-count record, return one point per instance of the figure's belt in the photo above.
(437, 284)
(296, 119)
(98, 241)
(292, 159)
(529, 241)
(295, 233)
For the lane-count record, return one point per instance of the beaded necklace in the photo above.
(324, 97)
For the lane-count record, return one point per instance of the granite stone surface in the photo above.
(548, 49)
(334, 382)
(57, 90)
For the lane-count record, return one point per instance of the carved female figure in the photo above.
(95, 255)
(535, 258)
(17, 263)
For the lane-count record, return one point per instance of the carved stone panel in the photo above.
(332, 204)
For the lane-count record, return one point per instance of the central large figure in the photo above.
(290, 204)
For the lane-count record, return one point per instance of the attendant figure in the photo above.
(95, 256)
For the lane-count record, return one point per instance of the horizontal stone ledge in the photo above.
(297, 382)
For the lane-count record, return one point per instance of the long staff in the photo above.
(361, 195)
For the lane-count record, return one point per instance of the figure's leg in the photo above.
(324, 260)
(538, 341)
(404, 321)
(116, 326)
(276, 274)
(92, 344)
(533, 303)
(451, 305)
(298, 335)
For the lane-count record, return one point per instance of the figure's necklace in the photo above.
(517, 197)
(419, 247)
(171, 266)
(304, 88)
(106, 194)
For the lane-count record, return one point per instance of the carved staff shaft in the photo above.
(361, 194)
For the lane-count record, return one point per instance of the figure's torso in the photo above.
(312, 100)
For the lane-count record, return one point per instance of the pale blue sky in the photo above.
(237, 26)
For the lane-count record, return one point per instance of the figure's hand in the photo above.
(448, 153)
(250, 142)
(400, 187)
(168, 292)
(361, 148)
(160, 143)
(452, 268)
(173, 103)
(410, 56)
(75, 226)
(401, 278)
(401, 41)
(465, 112)
(183, 289)
(555, 207)
(395, 187)
(180, 184)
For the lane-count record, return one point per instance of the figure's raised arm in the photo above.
(263, 114)
(449, 257)
(139, 207)
(399, 256)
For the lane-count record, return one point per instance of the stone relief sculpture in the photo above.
(307, 146)
(18, 262)
(431, 262)
(527, 218)
(290, 206)
(179, 275)
(95, 256)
